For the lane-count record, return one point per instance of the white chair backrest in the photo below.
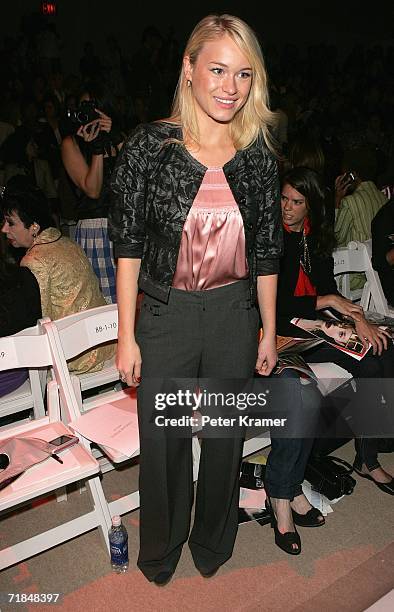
(84, 330)
(72, 335)
(353, 258)
(357, 258)
(28, 348)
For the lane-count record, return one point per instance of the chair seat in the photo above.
(123, 400)
(108, 374)
(49, 475)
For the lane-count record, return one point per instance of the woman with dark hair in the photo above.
(20, 307)
(89, 155)
(307, 286)
(65, 277)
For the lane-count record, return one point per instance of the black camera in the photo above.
(85, 113)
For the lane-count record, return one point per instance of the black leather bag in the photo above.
(252, 475)
(330, 476)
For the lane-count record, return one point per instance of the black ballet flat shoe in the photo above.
(163, 578)
(311, 519)
(386, 487)
(284, 541)
(209, 574)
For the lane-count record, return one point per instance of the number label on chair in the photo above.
(8, 357)
(99, 332)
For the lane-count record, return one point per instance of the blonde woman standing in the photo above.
(195, 221)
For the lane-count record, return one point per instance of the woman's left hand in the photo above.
(374, 334)
(105, 122)
(90, 131)
(267, 356)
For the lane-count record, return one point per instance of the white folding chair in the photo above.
(31, 349)
(69, 337)
(30, 395)
(357, 258)
(73, 330)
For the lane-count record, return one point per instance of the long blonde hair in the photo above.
(254, 118)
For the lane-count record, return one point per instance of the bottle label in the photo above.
(119, 552)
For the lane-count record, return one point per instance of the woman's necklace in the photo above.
(305, 260)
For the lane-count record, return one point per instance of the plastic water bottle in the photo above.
(118, 543)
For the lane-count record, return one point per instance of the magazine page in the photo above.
(298, 345)
(338, 334)
(288, 344)
(295, 362)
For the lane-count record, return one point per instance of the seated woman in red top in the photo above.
(307, 286)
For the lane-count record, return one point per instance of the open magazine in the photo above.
(289, 357)
(338, 334)
(327, 376)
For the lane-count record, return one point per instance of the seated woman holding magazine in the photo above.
(307, 288)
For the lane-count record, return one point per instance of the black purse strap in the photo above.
(337, 460)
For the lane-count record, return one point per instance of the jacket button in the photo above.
(231, 176)
(249, 226)
(242, 200)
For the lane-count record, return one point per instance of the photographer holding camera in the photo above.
(89, 155)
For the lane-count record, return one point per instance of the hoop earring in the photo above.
(188, 83)
(34, 235)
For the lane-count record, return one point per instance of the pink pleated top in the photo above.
(212, 250)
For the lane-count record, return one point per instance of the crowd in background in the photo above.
(333, 115)
(341, 103)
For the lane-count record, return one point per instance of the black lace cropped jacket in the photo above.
(153, 187)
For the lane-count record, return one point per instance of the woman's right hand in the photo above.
(128, 362)
(342, 184)
(345, 307)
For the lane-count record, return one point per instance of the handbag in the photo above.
(252, 475)
(19, 454)
(330, 476)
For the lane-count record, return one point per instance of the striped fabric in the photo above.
(353, 219)
(92, 236)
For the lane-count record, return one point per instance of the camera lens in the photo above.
(82, 117)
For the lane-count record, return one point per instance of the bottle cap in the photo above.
(116, 521)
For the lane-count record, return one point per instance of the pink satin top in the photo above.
(212, 251)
